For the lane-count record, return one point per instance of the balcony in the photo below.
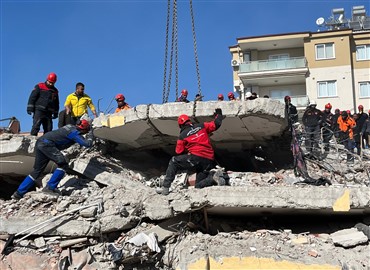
(266, 72)
(300, 101)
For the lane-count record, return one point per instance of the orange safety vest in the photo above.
(124, 107)
(346, 125)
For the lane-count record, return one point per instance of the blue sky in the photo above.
(118, 46)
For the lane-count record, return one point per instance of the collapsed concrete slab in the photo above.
(247, 124)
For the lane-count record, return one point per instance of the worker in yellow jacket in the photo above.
(76, 103)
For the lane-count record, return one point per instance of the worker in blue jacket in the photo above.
(48, 147)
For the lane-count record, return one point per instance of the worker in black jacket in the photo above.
(312, 119)
(327, 126)
(43, 103)
(48, 147)
(291, 111)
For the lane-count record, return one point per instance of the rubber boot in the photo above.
(55, 178)
(26, 185)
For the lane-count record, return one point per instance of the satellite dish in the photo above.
(320, 21)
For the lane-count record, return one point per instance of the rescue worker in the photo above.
(43, 103)
(198, 97)
(346, 125)
(357, 134)
(291, 111)
(335, 128)
(194, 151)
(220, 97)
(327, 125)
(311, 119)
(121, 104)
(76, 104)
(231, 96)
(48, 147)
(183, 97)
(362, 116)
(365, 132)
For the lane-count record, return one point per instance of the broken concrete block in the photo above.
(89, 212)
(300, 240)
(348, 237)
(39, 242)
(62, 206)
(313, 253)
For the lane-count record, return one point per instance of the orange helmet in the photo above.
(220, 97)
(183, 119)
(83, 125)
(52, 77)
(184, 92)
(230, 95)
(120, 97)
(328, 106)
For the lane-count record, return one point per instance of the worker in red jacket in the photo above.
(194, 150)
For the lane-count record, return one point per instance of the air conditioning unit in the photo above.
(235, 63)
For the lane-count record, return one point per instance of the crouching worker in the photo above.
(194, 151)
(48, 147)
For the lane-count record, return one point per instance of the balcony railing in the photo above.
(267, 65)
(298, 101)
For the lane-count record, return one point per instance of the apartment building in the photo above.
(326, 66)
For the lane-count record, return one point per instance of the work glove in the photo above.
(29, 112)
(55, 115)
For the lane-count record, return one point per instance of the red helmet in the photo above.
(183, 119)
(286, 98)
(328, 106)
(84, 125)
(348, 112)
(52, 77)
(184, 92)
(120, 97)
(220, 97)
(360, 107)
(230, 95)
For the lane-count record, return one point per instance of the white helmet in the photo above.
(312, 103)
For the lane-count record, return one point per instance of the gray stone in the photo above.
(348, 237)
(89, 212)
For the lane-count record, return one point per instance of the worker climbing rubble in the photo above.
(48, 147)
(43, 103)
(194, 151)
(121, 104)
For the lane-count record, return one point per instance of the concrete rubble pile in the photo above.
(108, 216)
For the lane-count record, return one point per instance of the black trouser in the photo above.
(46, 151)
(75, 119)
(312, 138)
(41, 118)
(326, 136)
(201, 165)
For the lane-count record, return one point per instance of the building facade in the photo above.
(329, 66)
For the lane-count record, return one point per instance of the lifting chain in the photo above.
(195, 47)
(174, 52)
(165, 96)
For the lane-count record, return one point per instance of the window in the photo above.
(246, 57)
(327, 89)
(325, 51)
(363, 52)
(364, 89)
(279, 56)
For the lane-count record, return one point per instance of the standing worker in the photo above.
(346, 125)
(231, 96)
(76, 103)
(194, 150)
(311, 119)
(43, 103)
(327, 125)
(362, 116)
(220, 97)
(183, 97)
(291, 111)
(48, 147)
(121, 104)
